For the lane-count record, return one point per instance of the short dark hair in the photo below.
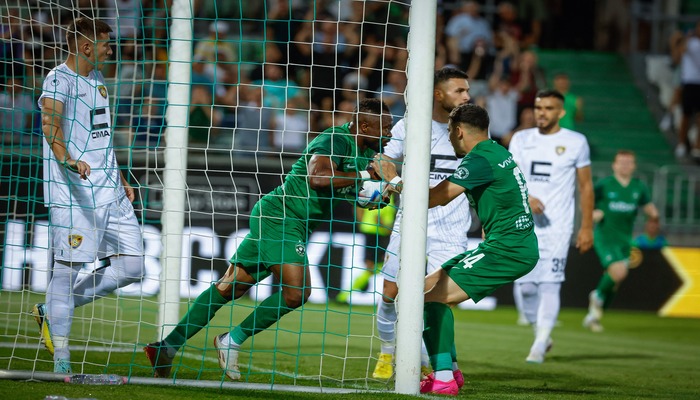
(372, 106)
(87, 28)
(470, 114)
(624, 152)
(550, 93)
(447, 73)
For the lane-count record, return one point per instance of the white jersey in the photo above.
(549, 163)
(446, 224)
(87, 130)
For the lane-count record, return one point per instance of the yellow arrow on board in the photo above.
(686, 301)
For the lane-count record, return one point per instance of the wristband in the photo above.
(396, 181)
(364, 175)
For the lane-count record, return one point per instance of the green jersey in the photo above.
(619, 205)
(496, 189)
(296, 199)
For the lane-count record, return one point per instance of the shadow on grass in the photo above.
(609, 356)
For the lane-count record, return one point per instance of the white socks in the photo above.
(386, 325)
(59, 306)
(547, 313)
(530, 300)
(123, 270)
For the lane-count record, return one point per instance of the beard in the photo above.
(547, 126)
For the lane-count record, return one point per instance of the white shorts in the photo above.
(82, 235)
(554, 249)
(437, 253)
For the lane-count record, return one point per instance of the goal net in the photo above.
(263, 79)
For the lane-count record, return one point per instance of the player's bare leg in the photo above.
(296, 288)
(235, 282)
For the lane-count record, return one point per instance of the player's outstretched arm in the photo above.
(584, 239)
(444, 193)
(51, 114)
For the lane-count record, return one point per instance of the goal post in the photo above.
(419, 101)
(175, 171)
(211, 106)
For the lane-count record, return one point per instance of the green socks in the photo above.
(263, 316)
(197, 317)
(439, 335)
(606, 289)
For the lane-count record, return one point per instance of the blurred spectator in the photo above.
(612, 25)
(278, 90)
(690, 94)
(464, 32)
(535, 13)
(376, 57)
(203, 116)
(507, 52)
(353, 90)
(526, 119)
(253, 125)
(156, 76)
(392, 93)
(573, 105)
(220, 54)
(292, 127)
(11, 45)
(528, 78)
(16, 111)
(502, 106)
(245, 16)
(342, 115)
(130, 75)
(507, 21)
(148, 124)
(665, 73)
(199, 75)
(155, 18)
(326, 50)
(480, 67)
(651, 239)
(124, 16)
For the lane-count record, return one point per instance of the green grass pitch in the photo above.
(639, 356)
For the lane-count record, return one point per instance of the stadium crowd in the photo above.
(265, 74)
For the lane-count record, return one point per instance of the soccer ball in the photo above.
(371, 195)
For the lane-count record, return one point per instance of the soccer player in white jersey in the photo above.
(554, 160)
(88, 198)
(447, 225)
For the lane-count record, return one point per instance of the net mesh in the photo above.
(267, 77)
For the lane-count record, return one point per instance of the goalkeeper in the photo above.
(280, 225)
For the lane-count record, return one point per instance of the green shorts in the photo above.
(481, 271)
(271, 241)
(611, 253)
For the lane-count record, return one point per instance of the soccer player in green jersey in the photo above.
(617, 200)
(496, 189)
(331, 169)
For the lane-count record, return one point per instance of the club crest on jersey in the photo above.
(103, 91)
(75, 241)
(560, 150)
(461, 173)
(300, 248)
